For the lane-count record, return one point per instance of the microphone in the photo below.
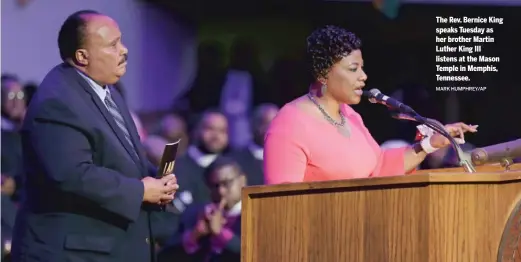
(375, 96)
(464, 158)
(496, 153)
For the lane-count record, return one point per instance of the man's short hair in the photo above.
(72, 34)
(257, 117)
(220, 162)
(5, 78)
(196, 125)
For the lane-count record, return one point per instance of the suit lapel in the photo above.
(125, 112)
(108, 117)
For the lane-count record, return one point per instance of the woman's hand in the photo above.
(456, 130)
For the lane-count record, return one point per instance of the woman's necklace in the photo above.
(342, 128)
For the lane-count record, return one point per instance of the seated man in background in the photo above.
(210, 140)
(13, 107)
(251, 158)
(172, 127)
(141, 131)
(212, 231)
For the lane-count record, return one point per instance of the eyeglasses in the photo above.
(227, 183)
(16, 95)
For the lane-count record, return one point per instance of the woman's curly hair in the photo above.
(327, 46)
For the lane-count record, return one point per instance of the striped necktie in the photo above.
(118, 118)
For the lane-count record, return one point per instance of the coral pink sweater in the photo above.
(300, 147)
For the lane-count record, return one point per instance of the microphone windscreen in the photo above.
(374, 92)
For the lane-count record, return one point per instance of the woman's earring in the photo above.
(323, 89)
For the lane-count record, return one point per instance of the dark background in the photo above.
(397, 52)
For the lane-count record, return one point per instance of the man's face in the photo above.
(104, 56)
(214, 132)
(8, 185)
(173, 127)
(262, 126)
(13, 97)
(226, 183)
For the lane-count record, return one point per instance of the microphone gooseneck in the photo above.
(375, 96)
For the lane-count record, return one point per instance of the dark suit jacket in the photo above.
(191, 176)
(174, 250)
(84, 195)
(251, 166)
(12, 158)
(11, 153)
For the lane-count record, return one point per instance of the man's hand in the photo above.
(201, 228)
(159, 190)
(169, 180)
(216, 218)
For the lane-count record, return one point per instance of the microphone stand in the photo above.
(464, 159)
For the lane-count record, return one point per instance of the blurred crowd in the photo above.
(221, 121)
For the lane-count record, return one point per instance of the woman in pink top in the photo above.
(320, 137)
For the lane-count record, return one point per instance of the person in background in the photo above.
(154, 147)
(251, 157)
(172, 127)
(141, 131)
(319, 136)
(212, 231)
(210, 140)
(29, 90)
(14, 101)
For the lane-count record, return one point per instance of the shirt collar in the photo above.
(256, 151)
(101, 91)
(235, 210)
(203, 160)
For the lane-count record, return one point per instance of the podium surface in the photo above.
(440, 216)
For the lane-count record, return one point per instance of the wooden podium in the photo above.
(442, 215)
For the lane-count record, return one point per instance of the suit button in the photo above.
(147, 240)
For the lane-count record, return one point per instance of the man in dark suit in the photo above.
(251, 157)
(90, 192)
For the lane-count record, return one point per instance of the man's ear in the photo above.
(81, 57)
